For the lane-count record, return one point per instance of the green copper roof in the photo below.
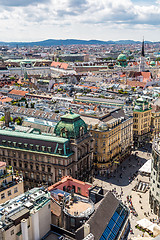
(152, 63)
(70, 115)
(42, 137)
(122, 57)
(70, 126)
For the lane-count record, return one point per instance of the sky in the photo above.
(34, 20)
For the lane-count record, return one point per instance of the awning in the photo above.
(146, 167)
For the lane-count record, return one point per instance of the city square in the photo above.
(123, 187)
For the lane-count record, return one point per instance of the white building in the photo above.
(26, 217)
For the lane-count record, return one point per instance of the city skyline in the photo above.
(36, 20)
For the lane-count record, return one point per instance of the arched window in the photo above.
(63, 132)
(81, 131)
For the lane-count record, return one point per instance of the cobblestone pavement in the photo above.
(128, 169)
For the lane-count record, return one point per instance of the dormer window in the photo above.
(81, 131)
(64, 132)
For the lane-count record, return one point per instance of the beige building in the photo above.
(11, 185)
(113, 137)
(155, 119)
(26, 217)
(141, 122)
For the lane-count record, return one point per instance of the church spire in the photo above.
(142, 53)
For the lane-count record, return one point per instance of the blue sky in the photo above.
(32, 20)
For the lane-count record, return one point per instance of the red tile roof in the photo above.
(136, 84)
(5, 99)
(18, 92)
(61, 65)
(146, 76)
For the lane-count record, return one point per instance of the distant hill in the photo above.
(59, 42)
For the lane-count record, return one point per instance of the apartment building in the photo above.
(11, 185)
(26, 217)
(155, 119)
(113, 135)
(141, 122)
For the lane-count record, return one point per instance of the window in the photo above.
(25, 145)
(79, 190)
(15, 190)
(44, 178)
(25, 156)
(37, 167)
(43, 148)
(36, 157)
(32, 175)
(9, 193)
(43, 168)
(31, 166)
(26, 165)
(72, 222)
(2, 196)
(31, 146)
(12, 232)
(49, 179)
(37, 147)
(15, 164)
(49, 169)
(20, 164)
(49, 149)
(49, 206)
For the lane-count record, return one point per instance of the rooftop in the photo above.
(21, 205)
(79, 207)
(43, 137)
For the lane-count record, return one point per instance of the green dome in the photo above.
(70, 126)
(152, 63)
(122, 57)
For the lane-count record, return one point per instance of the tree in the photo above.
(3, 119)
(19, 121)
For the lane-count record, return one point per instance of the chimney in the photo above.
(7, 116)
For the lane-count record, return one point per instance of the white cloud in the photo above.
(40, 19)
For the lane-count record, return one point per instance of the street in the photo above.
(124, 180)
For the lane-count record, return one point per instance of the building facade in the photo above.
(26, 217)
(44, 158)
(11, 185)
(113, 135)
(154, 197)
(141, 122)
(155, 119)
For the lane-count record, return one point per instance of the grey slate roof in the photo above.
(101, 217)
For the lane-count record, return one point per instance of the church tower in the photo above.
(142, 59)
